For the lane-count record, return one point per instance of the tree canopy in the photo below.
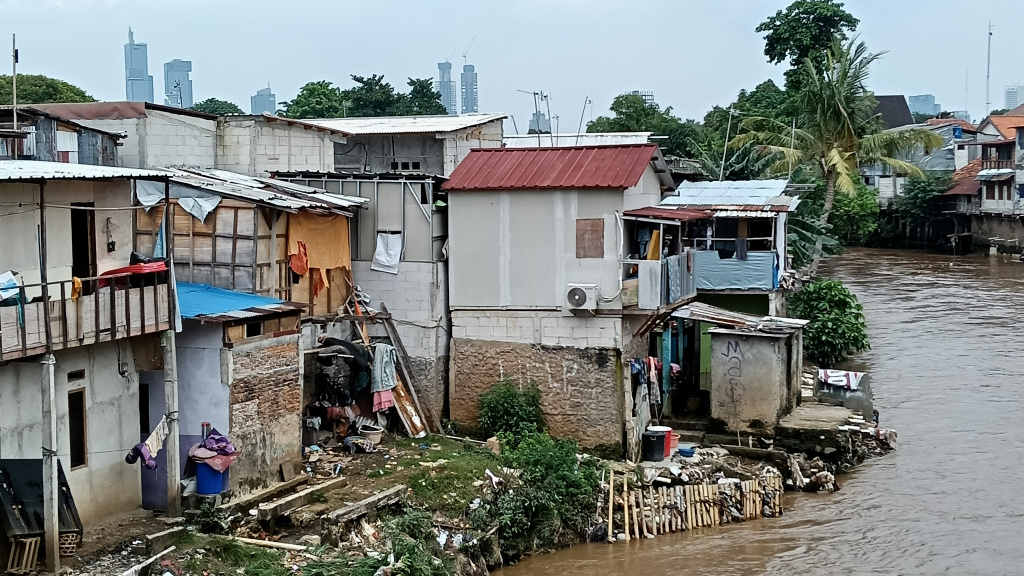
(632, 114)
(803, 30)
(39, 89)
(217, 106)
(372, 96)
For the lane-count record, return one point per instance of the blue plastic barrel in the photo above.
(209, 482)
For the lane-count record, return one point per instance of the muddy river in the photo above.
(948, 374)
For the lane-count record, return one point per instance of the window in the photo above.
(415, 165)
(869, 180)
(405, 165)
(990, 192)
(394, 166)
(590, 238)
(76, 428)
(253, 329)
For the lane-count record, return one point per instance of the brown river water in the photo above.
(948, 374)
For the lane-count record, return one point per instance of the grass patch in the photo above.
(318, 497)
(449, 487)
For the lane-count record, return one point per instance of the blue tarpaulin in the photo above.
(195, 300)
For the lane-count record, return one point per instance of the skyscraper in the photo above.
(1012, 97)
(923, 104)
(263, 101)
(539, 124)
(177, 84)
(446, 86)
(469, 89)
(648, 96)
(138, 82)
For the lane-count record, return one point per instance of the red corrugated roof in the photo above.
(681, 215)
(617, 166)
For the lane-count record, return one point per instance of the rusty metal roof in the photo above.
(115, 110)
(619, 166)
(712, 314)
(20, 170)
(678, 214)
(280, 194)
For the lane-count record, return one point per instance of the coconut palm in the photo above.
(837, 129)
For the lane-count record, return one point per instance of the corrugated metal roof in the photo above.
(14, 170)
(678, 214)
(566, 167)
(586, 139)
(964, 178)
(405, 124)
(737, 320)
(115, 110)
(265, 191)
(205, 302)
(745, 196)
(996, 174)
(308, 125)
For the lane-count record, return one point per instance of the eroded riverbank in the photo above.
(947, 374)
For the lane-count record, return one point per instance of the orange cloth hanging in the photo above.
(299, 261)
(319, 281)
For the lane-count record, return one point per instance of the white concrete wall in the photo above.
(18, 227)
(203, 389)
(517, 249)
(162, 139)
(646, 193)
(106, 485)
(417, 294)
(1005, 205)
(547, 328)
(458, 144)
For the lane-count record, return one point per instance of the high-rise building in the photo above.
(1012, 97)
(646, 95)
(540, 124)
(446, 86)
(264, 101)
(923, 104)
(469, 89)
(138, 82)
(177, 84)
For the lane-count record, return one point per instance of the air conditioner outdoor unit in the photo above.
(581, 296)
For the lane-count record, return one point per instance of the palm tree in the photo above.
(837, 129)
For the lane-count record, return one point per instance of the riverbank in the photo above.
(456, 507)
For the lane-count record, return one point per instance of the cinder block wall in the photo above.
(417, 298)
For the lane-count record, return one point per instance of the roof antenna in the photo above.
(586, 100)
(725, 147)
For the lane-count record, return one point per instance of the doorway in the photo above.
(83, 243)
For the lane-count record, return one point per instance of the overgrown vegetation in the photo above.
(921, 202)
(510, 412)
(836, 328)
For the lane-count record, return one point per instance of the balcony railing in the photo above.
(660, 282)
(996, 164)
(106, 308)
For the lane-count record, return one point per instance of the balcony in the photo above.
(110, 307)
(996, 164)
(757, 272)
(658, 283)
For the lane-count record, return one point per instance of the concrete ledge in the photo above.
(272, 510)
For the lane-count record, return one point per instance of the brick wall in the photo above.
(548, 328)
(266, 404)
(581, 388)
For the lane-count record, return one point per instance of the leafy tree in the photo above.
(920, 118)
(217, 106)
(319, 99)
(766, 100)
(803, 30)
(922, 199)
(510, 412)
(422, 99)
(371, 97)
(999, 112)
(836, 328)
(632, 114)
(745, 163)
(837, 128)
(805, 232)
(39, 89)
(854, 215)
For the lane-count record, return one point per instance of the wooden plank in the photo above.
(256, 498)
(611, 504)
(625, 506)
(353, 511)
(404, 365)
(271, 510)
(406, 411)
(590, 238)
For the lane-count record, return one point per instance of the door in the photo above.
(83, 243)
(151, 410)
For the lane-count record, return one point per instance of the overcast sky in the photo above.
(692, 54)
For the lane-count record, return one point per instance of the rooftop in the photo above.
(741, 195)
(1005, 124)
(21, 170)
(894, 110)
(559, 167)
(405, 124)
(265, 191)
(964, 179)
(585, 139)
(115, 110)
(208, 303)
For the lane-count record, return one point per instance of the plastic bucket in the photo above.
(652, 446)
(209, 482)
(371, 432)
(668, 436)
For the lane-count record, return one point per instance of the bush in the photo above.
(836, 328)
(555, 503)
(512, 413)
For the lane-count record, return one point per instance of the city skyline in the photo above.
(138, 81)
(264, 101)
(177, 84)
(446, 86)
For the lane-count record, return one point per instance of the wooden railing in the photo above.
(996, 164)
(107, 308)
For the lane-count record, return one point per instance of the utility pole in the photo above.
(14, 79)
(725, 147)
(988, 72)
(586, 100)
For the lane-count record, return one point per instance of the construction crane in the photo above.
(466, 51)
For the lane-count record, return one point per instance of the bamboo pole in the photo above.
(654, 514)
(611, 503)
(625, 506)
(636, 520)
(643, 513)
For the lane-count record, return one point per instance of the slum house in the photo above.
(398, 241)
(43, 136)
(992, 199)
(250, 256)
(78, 317)
(539, 253)
(955, 151)
(159, 136)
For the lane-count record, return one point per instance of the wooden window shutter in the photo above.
(590, 238)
